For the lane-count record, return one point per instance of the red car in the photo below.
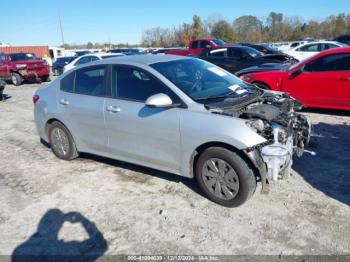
(322, 81)
(18, 67)
(197, 46)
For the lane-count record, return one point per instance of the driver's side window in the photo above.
(137, 85)
(310, 48)
(329, 63)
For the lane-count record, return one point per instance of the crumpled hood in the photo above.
(262, 68)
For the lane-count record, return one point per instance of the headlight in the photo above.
(21, 66)
(247, 78)
(256, 124)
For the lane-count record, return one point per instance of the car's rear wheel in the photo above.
(16, 79)
(225, 177)
(61, 142)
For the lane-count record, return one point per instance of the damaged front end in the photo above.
(273, 116)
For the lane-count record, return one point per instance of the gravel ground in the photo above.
(102, 206)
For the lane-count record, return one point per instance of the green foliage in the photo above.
(223, 30)
(197, 27)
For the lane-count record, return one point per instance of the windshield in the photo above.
(201, 80)
(253, 52)
(22, 57)
(219, 42)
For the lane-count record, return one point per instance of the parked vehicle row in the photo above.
(177, 114)
(89, 58)
(235, 57)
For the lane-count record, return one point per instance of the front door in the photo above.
(145, 135)
(324, 82)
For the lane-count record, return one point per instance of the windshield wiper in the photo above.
(216, 96)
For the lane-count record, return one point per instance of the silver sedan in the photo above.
(177, 114)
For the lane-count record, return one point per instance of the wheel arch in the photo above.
(201, 148)
(49, 122)
(262, 83)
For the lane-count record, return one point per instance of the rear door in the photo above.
(324, 82)
(142, 134)
(81, 103)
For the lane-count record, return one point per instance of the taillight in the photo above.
(247, 78)
(35, 99)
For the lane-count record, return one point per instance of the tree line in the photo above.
(248, 28)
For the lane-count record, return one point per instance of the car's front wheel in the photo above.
(16, 79)
(61, 142)
(225, 177)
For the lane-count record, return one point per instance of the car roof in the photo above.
(319, 42)
(143, 59)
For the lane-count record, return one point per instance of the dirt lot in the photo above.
(125, 209)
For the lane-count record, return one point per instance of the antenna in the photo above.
(62, 37)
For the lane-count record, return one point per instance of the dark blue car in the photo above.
(57, 66)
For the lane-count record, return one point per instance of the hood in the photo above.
(262, 68)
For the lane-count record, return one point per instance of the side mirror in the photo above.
(66, 63)
(159, 100)
(208, 46)
(296, 72)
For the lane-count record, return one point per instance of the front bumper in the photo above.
(34, 72)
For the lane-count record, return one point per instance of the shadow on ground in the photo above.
(329, 170)
(4, 97)
(44, 244)
(189, 182)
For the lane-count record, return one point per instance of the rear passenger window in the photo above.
(90, 81)
(67, 83)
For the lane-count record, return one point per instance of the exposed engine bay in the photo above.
(273, 116)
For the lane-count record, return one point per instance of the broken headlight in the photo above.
(256, 124)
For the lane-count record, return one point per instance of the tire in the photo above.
(16, 79)
(262, 85)
(61, 142)
(237, 177)
(45, 78)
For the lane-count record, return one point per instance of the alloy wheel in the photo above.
(59, 141)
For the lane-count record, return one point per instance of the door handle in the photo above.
(344, 79)
(113, 109)
(64, 102)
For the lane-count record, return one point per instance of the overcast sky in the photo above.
(36, 22)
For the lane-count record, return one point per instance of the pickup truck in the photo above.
(197, 46)
(18, 67)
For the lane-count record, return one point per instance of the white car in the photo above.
(310, 49)
(89, 58)
(289, 46)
